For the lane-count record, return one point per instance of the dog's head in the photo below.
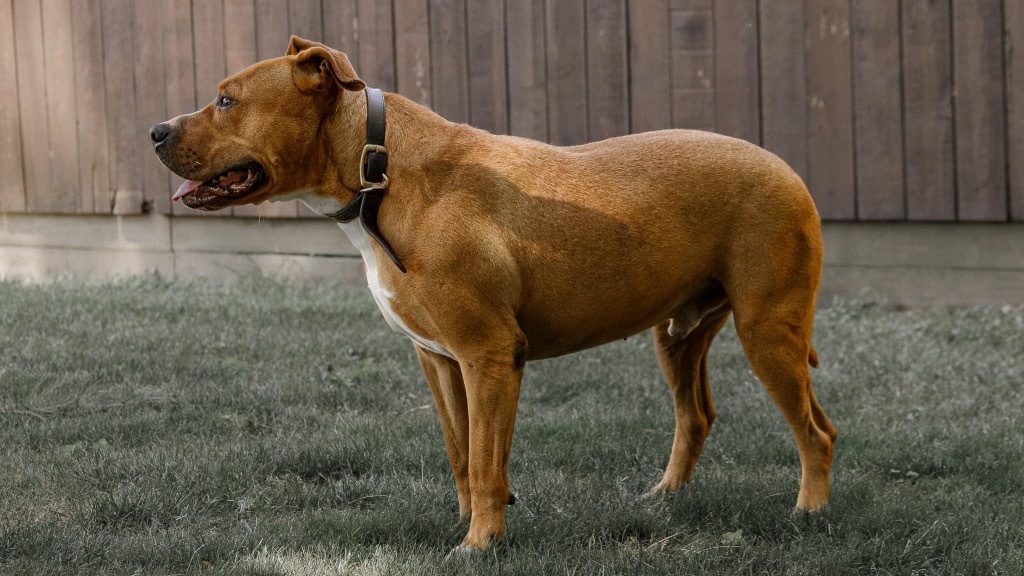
(258, 139)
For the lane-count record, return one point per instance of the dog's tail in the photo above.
(812, 357)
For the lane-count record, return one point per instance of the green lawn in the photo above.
(262, 428)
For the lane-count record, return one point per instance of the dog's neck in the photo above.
(408, 125)
(412, 132)
(344, 140)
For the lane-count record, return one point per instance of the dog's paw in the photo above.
(799, 510)
(457, 553)
(464, 553)
(660, 490)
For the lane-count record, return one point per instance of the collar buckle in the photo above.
(364, 164)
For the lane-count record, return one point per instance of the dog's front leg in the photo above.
(492, 392)
(445, 380)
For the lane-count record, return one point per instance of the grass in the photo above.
(149, 427)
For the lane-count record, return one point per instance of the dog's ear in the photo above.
(317, 67)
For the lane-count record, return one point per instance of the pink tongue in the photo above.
(187, 187)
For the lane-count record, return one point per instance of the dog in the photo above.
(490, 251)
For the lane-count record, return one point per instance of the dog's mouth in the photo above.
(222, 189)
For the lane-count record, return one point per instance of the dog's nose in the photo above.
(160, 132)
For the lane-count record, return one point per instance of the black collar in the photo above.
(373, 180)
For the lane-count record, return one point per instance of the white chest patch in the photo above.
(381, 295)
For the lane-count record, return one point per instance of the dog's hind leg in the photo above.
(445, 380)
(777, 350)
(684, 362)
(774, 320)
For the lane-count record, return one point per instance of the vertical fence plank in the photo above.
(927, 110)
(485, 33)
(58, 43)
(341, 20)
(650, 65)
(412, 49)
(120, 82)
(693, 102)
(239, 53)
(207, 31)
(980, 108)
(1014, 24)
(830, 109)
(271, 29)
(208, 46)
(737, 78)
(305, 19)
(527, 78)
(691, 5)
(449, 75)
(272, 35)
(784, 83)
(12, 182)
(179, 74)
(150, 96)
(239, 35)
(567, 75)
(878, 113)
(28, 27)
(377, 44)
(90, 107)
(607, 72)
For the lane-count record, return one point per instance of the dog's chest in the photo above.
(381, 295)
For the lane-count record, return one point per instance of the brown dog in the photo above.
(519, 250)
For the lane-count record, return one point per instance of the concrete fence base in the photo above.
(902, 263)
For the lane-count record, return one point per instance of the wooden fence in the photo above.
(890, 109)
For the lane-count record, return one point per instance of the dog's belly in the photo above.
(549, 344)
(605, 314)
(548, 338)
(381, 295)
(576, 297)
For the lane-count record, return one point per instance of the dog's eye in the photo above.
(223, 102)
